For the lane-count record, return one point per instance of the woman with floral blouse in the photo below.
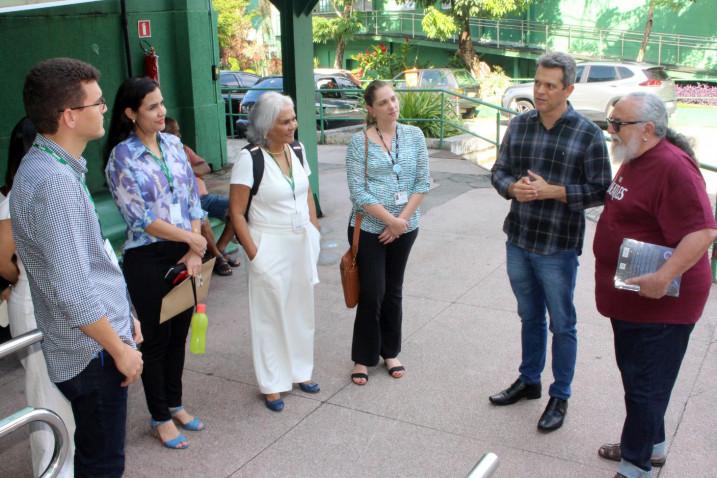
(153, 185)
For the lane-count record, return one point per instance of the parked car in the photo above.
(232, 84)
(340, 108)
(598, 86)
(452, 79)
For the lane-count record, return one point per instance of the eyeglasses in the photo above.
(616, 124)
(101, 103)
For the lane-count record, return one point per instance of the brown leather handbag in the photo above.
(349, 268)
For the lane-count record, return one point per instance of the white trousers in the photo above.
(281, 305)
(39, 390)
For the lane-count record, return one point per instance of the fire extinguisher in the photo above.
(151, 61)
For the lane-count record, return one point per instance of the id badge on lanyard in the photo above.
(175, 214)
(298, 221)
(400, 198)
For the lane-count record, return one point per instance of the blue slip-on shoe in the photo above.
(311, 387)
(274, 405)
(173, 444)
(195, 425)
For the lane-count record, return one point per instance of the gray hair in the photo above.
(263, 115)
(652, 109)
(560, 60)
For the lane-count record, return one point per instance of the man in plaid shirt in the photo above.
(552, 165)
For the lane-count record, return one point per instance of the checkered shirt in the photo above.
(72, 279)
(379, 185)
(572, 154)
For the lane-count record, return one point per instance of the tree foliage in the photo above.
(437, 24)
(236, 24)
(674, 5)
(340, 28)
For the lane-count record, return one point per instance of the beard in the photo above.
(624, 152)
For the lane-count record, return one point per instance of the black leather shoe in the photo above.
(553, 416)
(516, 392)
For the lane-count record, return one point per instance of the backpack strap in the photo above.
(257, 168)
(298, 151)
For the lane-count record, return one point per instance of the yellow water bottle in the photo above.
(198, 343)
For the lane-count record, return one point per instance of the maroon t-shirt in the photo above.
(659, 197)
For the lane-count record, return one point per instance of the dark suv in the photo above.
(233, 84)
(340, 108)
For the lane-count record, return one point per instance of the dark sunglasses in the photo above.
(617, 124)
(101, 103)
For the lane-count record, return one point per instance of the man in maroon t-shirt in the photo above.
(658, 196)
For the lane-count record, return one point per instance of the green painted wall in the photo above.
(696, 19)
(183, 34)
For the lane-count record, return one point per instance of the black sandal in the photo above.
(221, 267)
(232, 261)
(358, 376)
(396, 369)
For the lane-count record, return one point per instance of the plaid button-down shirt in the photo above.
(72, 279)
(572, 154)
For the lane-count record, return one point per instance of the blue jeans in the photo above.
(649, 358)
(542, 282)
(216, 205)
(99, 405)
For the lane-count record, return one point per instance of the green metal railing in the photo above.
(663, 48)
(448, 98)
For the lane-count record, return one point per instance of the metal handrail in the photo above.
(20, 342)
(485, 467)
(28, 414)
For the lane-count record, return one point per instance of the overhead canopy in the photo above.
(21, 5)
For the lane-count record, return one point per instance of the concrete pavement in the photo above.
(461, 344)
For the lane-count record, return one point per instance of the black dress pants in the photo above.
(377, 328)
(164, 344)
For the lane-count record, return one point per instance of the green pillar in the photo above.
(297, 61)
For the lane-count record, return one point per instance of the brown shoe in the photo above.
(611, 451)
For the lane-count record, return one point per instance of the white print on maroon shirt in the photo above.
(616, 191)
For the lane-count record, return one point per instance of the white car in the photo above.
(598, 86)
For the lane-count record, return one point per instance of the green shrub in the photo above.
(427, 105)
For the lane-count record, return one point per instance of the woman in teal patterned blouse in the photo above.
(388, 176)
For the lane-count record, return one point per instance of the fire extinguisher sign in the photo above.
(144, 29)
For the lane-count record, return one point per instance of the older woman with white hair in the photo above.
(274, 217)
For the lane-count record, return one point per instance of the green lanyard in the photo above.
(290, 178)
(162, 163)
(62, 160)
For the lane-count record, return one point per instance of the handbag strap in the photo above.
(194, 291)
(359, 216)
(356, 236)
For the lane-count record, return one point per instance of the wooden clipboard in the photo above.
(181, 297)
